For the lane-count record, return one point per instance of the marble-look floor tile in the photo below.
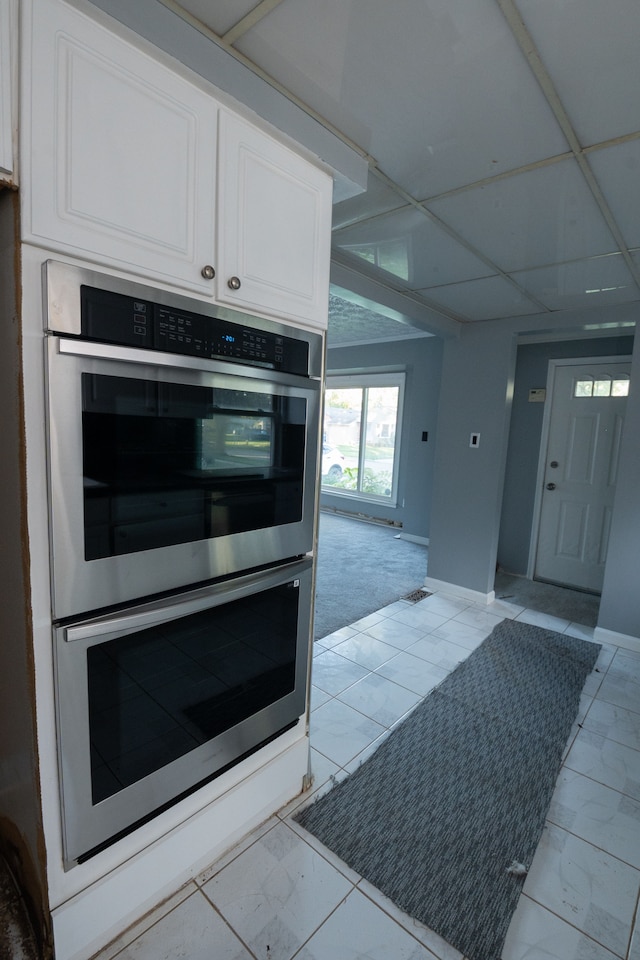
(537, 934)
(444, 606)
(360, 626)
(620, 690)
(193, 929)
(479, 617)
(427, 937)
(598, 814)
(613, 722)
(358, 929)
(585, 886)
(415, 674)
(339, 732)
(580, 631)
(135, 932)
(396, 633)
(502, 607)
(539, 619)
(606, 761)
(442, 653)
(462, 634)
(392, 608)
(277, 893)
(365, 650)
(379, 698)
(626, 664)
(333, 674)
(318, 697)
(332, 639)
(420, 617)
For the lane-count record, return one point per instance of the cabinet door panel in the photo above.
(132, 146)
(275, 211)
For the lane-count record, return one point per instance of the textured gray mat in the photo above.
(461, 788)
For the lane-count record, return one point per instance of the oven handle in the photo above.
(133, 620)
(108, 351)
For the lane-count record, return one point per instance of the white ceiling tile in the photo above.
(590, 48)
(412, 248)
(532, 219)
(352, 323)
(617, 170)
(438, 91)
(584, 283)
(378, 198)
(221, 15)
(486, 299)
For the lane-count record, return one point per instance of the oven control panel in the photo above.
(115, 318)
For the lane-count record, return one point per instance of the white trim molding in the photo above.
(455, 590)
(623, 640)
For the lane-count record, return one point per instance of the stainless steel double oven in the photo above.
(182, 450)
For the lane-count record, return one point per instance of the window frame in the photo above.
(364, 381)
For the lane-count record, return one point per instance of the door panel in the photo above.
(580, 475)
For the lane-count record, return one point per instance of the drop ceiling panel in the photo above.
(378, 198)
(412, 248)
(584, 283)
(618, 172)
(590, 48)
(438, 92)
(486, 299)
(532, 219)
(351, 323)
(220, 15)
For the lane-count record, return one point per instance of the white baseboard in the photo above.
(412, 538)
(455, 590)
(624, 640)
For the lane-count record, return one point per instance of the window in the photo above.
(360, 437)
(605, 387)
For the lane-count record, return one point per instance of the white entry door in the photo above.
(587, 415)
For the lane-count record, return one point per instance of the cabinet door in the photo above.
(122, 151)
(274, 226)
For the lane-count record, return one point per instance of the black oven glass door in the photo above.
(168, 463)
(165, 475)
(157, 700)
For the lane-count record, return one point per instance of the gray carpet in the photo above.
(461, 788)
(572, 605)
(361, 567)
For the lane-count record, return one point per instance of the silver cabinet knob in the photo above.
(554, 464)
(551, 486)
(233, 283)
(208, 272)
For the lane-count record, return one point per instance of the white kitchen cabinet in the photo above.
(274, 225)
(7, 14)
(121, 150)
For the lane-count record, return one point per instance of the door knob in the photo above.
(551, 486)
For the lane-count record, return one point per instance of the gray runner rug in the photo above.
(460, 790)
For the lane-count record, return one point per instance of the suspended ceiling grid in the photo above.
(502, 136)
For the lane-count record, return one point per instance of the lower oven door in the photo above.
(155, 701)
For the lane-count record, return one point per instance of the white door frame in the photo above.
(544, 442)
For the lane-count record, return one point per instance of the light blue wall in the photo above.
(477, 383)
(620, 602)
(525, 436)
(421, 360)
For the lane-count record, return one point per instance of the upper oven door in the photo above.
(163, 476)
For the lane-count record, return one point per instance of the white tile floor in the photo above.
(280, 894)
